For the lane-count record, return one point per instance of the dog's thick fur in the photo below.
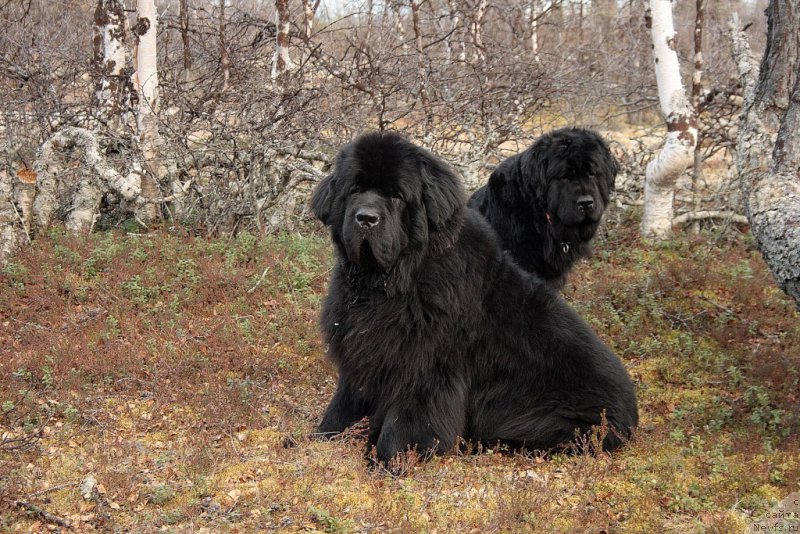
(435, 332)
(532, 200)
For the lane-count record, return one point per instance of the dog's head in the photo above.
(569, 175)
(388, 199)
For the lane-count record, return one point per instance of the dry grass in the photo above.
(160, 365)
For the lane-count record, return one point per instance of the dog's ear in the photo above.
(505, 183)
(442, 193)
(322, 198)
(535, 163)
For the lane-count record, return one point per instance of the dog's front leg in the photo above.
(345, 409)
(424, 421)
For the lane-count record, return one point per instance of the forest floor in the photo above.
(165, 382)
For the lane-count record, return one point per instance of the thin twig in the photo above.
(53, 488)
(260, 279)
(22, 221)
(44, 514)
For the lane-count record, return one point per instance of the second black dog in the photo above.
(546, 202)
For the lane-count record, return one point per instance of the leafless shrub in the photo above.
(474, 81)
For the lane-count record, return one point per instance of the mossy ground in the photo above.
(185, 374)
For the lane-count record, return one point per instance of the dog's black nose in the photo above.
(585, 203)
(367, 218)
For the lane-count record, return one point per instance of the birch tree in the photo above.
(309, 12)
(146, 82)
(476, 31)
(224, 59)
(770, 171)
(96, 178)
(282, 62)
(111, 59)
(11, 232)
(183, 22)
(52, 185)
(422, 73)
(697, 90)
(455, 33)
(677, 153)
(533, 22)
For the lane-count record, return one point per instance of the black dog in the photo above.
(436, 334)
(546, 202)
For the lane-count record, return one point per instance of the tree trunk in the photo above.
(476, 32)
(775, 74)
(663, 172)
(534, 26)
(309, 10)
(398, 21)
(770, 174)
(697, 93)
(368, 33)
(282, 62)
(224, 60)
(146, 77)
(422, 75)
(187, 47)
(455, 21)
(11, 234)
(112, 83)
(55, 155)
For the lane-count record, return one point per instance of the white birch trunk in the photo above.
(146, 63)
(533, 13)
(401, 30)
(110, 61)
(476, 31)
(282, 62)
(422, 75)
(11, 234)
(70, 144)
(146, 83)
(677, 153)
(309, 11)
(455, 20)
(24, 195)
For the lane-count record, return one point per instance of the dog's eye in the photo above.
(355, 189)
(397, 196)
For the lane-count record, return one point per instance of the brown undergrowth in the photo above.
(186, 374)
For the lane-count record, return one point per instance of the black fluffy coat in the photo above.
(531, 200)
(435, 332)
